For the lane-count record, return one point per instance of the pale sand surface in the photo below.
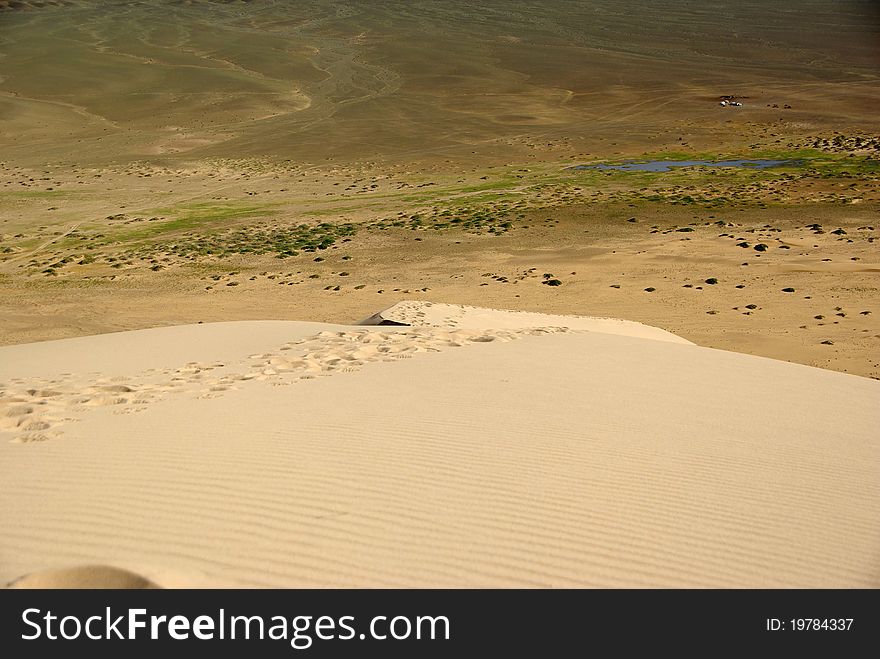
(455, 316)
(471, 454)
(87, 576)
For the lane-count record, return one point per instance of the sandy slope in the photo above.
(455, 316)
(466, 452)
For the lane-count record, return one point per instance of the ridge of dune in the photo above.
(434, 314)
(281, 453)
(130, 371)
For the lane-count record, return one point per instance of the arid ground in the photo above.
(462, 347)
(173, 162)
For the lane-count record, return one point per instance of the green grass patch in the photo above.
(283, 241)
(198, 215)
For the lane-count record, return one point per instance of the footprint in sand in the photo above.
(29, 425)
(116, 389)
(43, 393)
(33, 437)
(18, 410)
(325, 354)
(128, 410)
(105, 401)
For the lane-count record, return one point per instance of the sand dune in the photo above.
(89, 576)
(477, 448)
(458, 316)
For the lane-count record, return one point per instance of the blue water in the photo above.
(666, 165)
